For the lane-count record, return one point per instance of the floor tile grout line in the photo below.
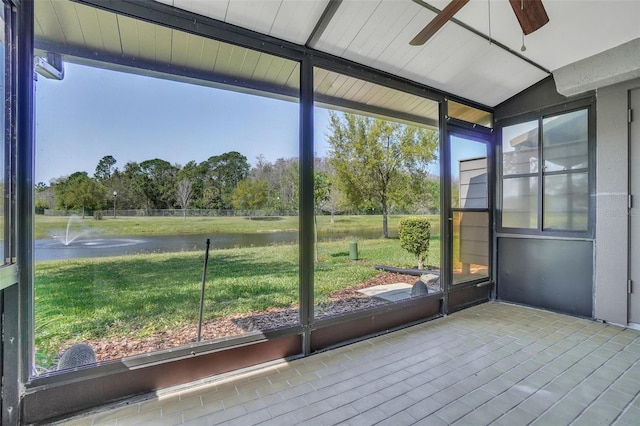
(487, 382)
(514, 367)
(565, 396)
(393, 348)
(391, 374)
(519, 364)
(626, 408)
(637, 363)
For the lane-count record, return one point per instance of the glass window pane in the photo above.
(565, 141)
(520, 149)
(470, 246)
(137, 172)
(468, 173)
(520, 202)
(469, 114)
(566, 202)
(362, 129)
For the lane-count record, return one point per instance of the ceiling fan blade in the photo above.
(530, 13)
(438, 22)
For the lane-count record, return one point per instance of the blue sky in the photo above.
(95, 112)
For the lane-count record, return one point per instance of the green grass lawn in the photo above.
(140, 295)
(46, 226)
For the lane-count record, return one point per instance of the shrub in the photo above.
(414, 237)
(97, 215)
(40, 206)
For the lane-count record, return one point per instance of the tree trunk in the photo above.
(385, 219)
(385, 225)
(420, 261)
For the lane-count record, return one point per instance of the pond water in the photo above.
(54, 249)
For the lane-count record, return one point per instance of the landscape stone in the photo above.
(419, 289)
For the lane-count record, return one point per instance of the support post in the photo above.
(306, 236)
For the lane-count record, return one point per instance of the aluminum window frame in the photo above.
(161, 14)
(484, 135)
(588, 104)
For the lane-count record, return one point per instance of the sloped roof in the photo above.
(477, 56)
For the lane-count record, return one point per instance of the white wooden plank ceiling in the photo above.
(331, 87)
(290, 20)
(73, 25)
(375, 33)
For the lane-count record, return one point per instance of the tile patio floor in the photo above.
(491, 364)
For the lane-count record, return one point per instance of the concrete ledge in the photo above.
(612, 66)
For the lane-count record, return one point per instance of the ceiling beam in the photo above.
(114, 62)
(615, 65)
(323, 22)
(355, 107)
(122, 63)
(181, 20)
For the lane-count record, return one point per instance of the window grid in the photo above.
(539, 220)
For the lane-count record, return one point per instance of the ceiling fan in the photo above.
(530, 13)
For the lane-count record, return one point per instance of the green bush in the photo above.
(40, 206)
(414, 235)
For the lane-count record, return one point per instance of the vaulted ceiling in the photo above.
(476, 56)
(456, 60)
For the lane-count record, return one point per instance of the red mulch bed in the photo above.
(340, 302)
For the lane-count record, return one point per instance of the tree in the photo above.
(158, 182)
(282, 177)
(414, 236)
(286, 183)
(250, 194)
(422, 194)
(79, 191)
(134, 181)
(371, 156)
(104, 169)
(321, 190)
(225, 171)
(197, 175)
(333, 203)
(44, 198)
(432, 193)
(184, 194)
(334, 200)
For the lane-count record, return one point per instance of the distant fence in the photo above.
(172, 212)
(209, 213)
